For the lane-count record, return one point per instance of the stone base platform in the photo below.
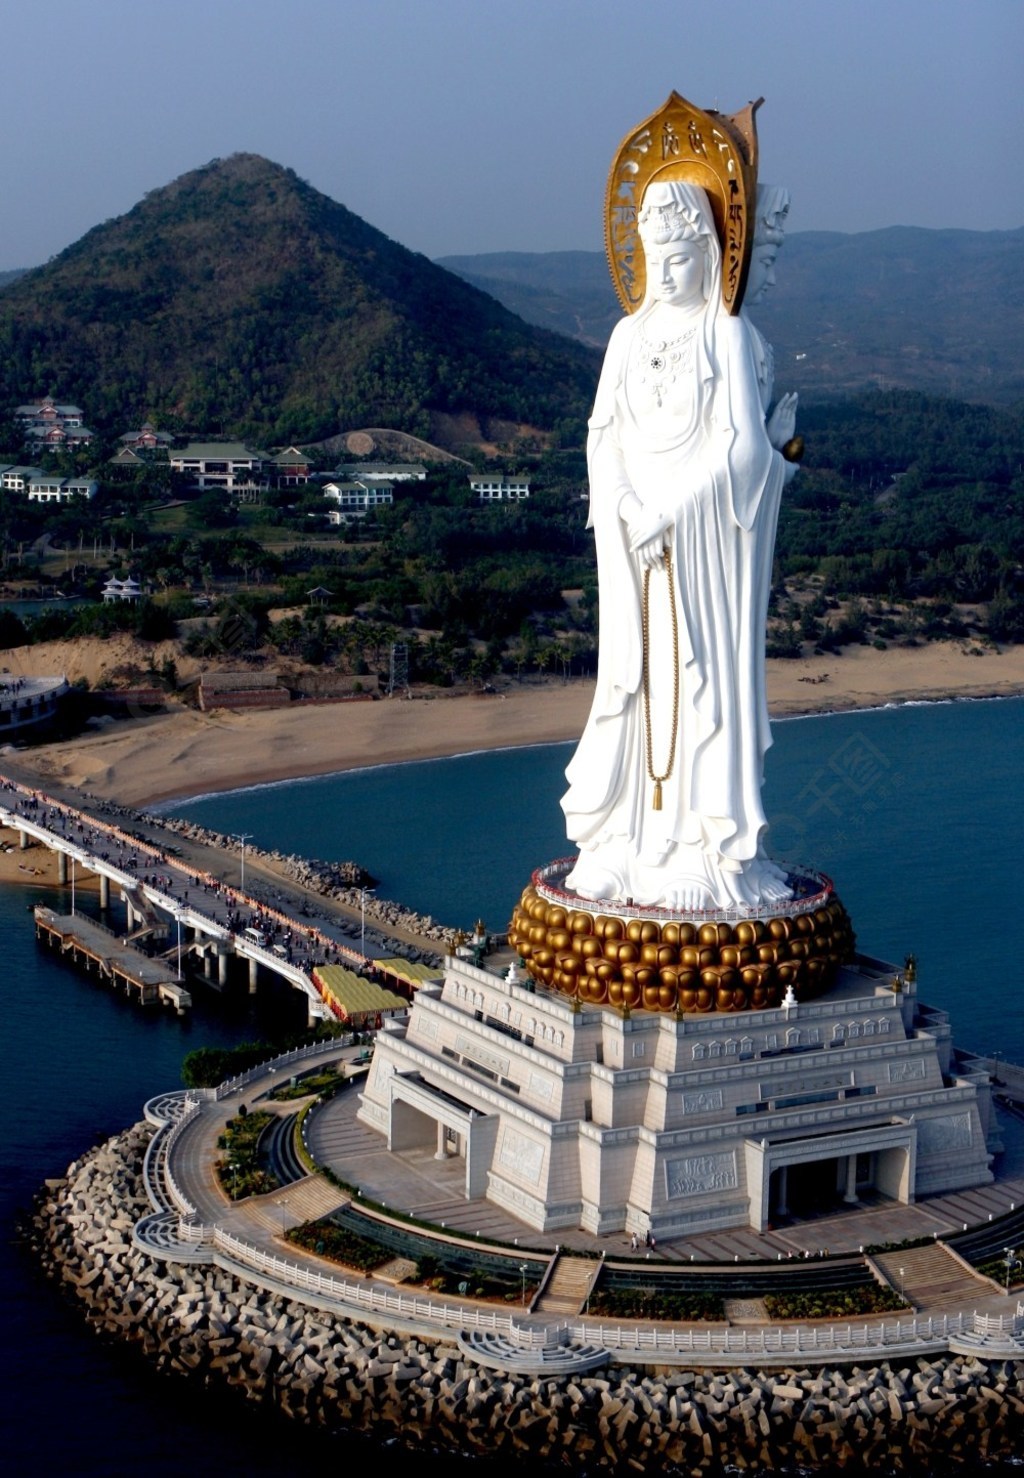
(658, 959)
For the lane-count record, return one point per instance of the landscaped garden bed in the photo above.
(239, 1170)
(839, 1303)
(322, 1083)
(654, 1304)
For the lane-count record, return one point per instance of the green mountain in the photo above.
(240, 300)
(941, 312)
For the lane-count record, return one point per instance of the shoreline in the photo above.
(181, 754)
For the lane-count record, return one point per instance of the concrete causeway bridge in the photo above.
(166, 898)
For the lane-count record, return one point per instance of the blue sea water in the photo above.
(915, 812)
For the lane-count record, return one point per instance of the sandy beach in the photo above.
(183, 752)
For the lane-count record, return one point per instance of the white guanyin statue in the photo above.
(664, 799)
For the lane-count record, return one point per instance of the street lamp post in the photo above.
(1011, 1262)
(903, 1294)
(177, 917)
(243, 837)
(522, 1274)
(72, 884)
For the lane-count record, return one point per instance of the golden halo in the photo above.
(716, 151)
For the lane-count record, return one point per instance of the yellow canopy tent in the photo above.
(351, 997)
(408, 973)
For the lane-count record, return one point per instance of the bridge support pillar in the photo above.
(23, 841)
(104, 890)
(129, 916)
(222, 970)
(208, 964)
(850, 1194)
(254, 970)
(62, 866)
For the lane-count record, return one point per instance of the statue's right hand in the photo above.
(650, 554)
(643, 524)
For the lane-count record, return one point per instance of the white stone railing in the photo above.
(775, 1339)
(544, 882)
(870, 1339)
(274, 1064)
(177, 1195)
(161, 1188)
(1000, 1323)
(153, 1168)
(368, 1296)
(192, 1231)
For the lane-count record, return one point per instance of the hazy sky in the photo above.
(487, 125)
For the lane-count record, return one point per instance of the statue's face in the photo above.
(675, 273)
(761, 277)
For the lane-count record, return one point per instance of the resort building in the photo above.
(45, 488)
(16, 479)
(493, 487)
(224, 465)
(147, 439)
(52, 424)
(355, 499)
(290, 467)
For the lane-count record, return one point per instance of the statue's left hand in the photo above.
(782, 422)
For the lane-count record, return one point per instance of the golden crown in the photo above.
(718, 152)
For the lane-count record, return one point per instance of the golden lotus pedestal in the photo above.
(657, 959)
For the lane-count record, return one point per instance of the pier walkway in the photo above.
(95, 945)
(212, 921)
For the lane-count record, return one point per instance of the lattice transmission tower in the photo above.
(398, 677)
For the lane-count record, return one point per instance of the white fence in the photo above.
(368, 1296)
(169, 1140)
(275, 1064)
(871, 1339)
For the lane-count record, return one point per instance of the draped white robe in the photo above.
(703, 458)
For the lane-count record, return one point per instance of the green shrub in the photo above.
(339, 1245)
(657, 1305)
(827, 1303)
(240, 1172)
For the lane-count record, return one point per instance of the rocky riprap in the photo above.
(343, 1375)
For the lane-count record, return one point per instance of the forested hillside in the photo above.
(908, 501)
(239, 300)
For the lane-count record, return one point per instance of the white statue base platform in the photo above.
(568, 1114)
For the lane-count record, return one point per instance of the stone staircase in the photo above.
(303, 1200)
(567, 1287)
(932, 1278)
